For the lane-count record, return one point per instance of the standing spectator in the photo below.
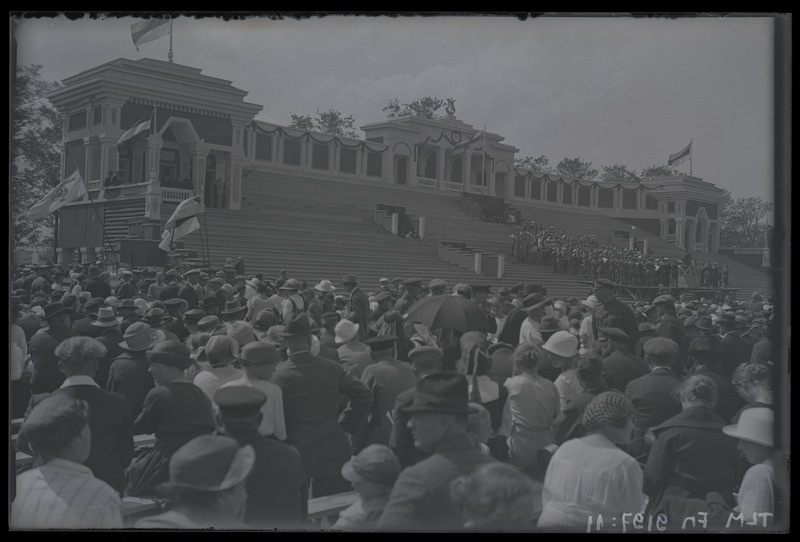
(175, 411)
(532, 406)
(707, 356)
(46, 376)
(108, 325)
(619, 365)
(219, 352)
(653, 395)
(354, 355)
(206, 486)
(421, 499)
(569, 424)
(60, 492)
(357, 308)
(258, 360)
(591, 475)
(691, 456)
(111, 447)
(129, 374)
(188, 292)
(533, 307)
(752, 382)
(671, 326)
(311, 387)
(277, 493)
(612, 313)
(562, 348)
(372, 473)
(154, 290)
(734, 346)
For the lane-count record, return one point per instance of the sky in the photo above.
(606, 89)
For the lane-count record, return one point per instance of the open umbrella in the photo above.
(448, 311)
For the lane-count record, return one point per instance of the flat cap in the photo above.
(664, 298)
(425, 351)
(437, 284)
(258, 353)
(193, 315)
(614, 334)
(382, 295)
(174, 302)
(192, 272)
(381, 342)
(412, 280)
(55, 421)
(239, 401)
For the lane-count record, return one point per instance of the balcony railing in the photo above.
(176, 194)
(453, 187)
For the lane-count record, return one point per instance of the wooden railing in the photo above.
(176, 194)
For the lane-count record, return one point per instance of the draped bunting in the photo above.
(308, 136)
(577, 182)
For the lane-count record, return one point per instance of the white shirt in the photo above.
(585, 334)
(529, 332)
(64, 495)
(18, 338)
(79, 380)
(272, 420)
(211, 379)
(756, 494)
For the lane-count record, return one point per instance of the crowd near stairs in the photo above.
(322, 228)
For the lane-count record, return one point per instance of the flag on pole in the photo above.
(148, 30)
(69, 190)
(680, 157)
(182, 222)
(464, 144)
(143, 125)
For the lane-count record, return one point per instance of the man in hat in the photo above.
(425, 360)
(671, 327)
(653, 395)
(708, 356)
(60, 492)
(83, 326)
(357, 308)
(611, 313)
(233, 311)
(619, 365)
(190, 320)
(128, 373)
(382, 320)
(534, 307)
(511, 329)
(258, 361)
(126, 288)
(171, 290)
(327, 335)
(107, 325)
(354, 355)
(646, 332)
(311, 388)
(127, 310)
(387, 378)
(293, 303)
(155, 289)
(410, 296)
(46, 376)
(42, 281)
(421, 499)
(220, 352)
(188, 291)
(206, 487)
(736, 348)
(437, 287)
(176, 307)
(110, 422)
(276, 489)
(211, 306)
(323, 302)
(762, 350)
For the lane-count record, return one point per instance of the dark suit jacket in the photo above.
(126, 290)
(359, 311)
(276, 487)
(311, 387)
(401, 441)
(188, 294)
(85, 328)
(616, 314)
(171, 292)
(737, 351)
(112, 432)
(128, 375)
(620, 368)
(654, 401)
(569, 424)
(46, 376)
(510, 333)
(110, 338)
(98, 287)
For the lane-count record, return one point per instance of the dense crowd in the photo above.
(587, 256)
(261, 393)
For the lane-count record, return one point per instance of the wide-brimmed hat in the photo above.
(193, 316)
(533, 301)
(208, 463)
(241, 332)
(172, 353)
(259, 353)
(55, 309)
(156, 317)
(299, 325)
(376, 463)
(591, 301)
(444, 392)
(550, 324)
(208, 323)
(219, 350)
(614, 334)
(264, 320)
(499, 346)
(139, 336)
(210, 302)
(349, 279)
(562, 343)
(345, 330)
(291, 284)
(324, 286)
(106, 318)
(233, 307)
(755, 425)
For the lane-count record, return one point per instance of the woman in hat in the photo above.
(591, 476)
(176, 411)
(372, 473)
(206, 486)
(690, 456)
(562, 348)
(263, 300)
(532, 406)
(497, 497)
(752, 382)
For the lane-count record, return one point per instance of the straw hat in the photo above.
(325, 286)
(106, 318)
(345, 330)
(755, 425)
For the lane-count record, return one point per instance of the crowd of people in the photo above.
(586, 255)
(261, 393)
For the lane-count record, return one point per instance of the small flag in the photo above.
(464, 144)
(145, 124)
(680, 157)
(182, 222)
(69, 190)
(149, 30)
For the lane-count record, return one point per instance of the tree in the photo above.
(619, 173)
(330, 122)
(35, 155)
(654, 171)
(742, 222)
(576, 168)
(425, 108)
(530, 163)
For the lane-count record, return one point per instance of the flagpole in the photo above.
(169, 55)
(691, 151)
(483, 160)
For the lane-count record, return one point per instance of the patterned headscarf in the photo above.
(604, 408)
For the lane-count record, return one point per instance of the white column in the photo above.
(395, 223)
(421, 229)
(440, 164)
(664, 230)
(715, 237)
(679, 232)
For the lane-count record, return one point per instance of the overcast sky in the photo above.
(609, 90)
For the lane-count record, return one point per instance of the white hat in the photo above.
(141, 306)
(755, 425)
(562, 343)
(345, 330)
(591, 301)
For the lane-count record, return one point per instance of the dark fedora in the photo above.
(706, 345)
(533, 301)
(444, 392)
(210, 302)
(54, 309)
(297, 326)
(349, 279)
(156, 317)
(193, 316)
(233, 307)
(170, 353)
(550, 324)
(126, 304)
(704, 323)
